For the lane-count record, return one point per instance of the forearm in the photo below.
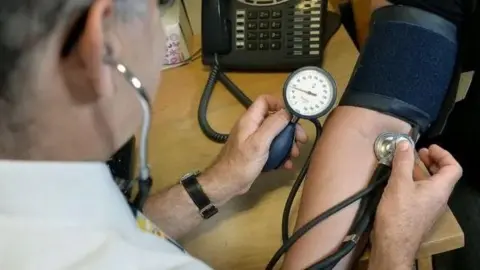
(174, 211)
(341, 165)
(382, 258)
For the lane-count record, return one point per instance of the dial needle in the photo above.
(306, 92)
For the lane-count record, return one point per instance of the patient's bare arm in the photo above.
(342, 164)
(344, 160)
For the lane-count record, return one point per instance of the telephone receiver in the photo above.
(216, 30)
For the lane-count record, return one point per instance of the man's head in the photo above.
(59, 100)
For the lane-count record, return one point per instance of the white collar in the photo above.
(74, 193)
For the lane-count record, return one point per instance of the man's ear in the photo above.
(88, 48)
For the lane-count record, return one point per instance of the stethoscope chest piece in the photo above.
(385, 146)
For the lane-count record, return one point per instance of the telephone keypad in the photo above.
(275, 45)
(252, 46)
(252, 26)
(276, 25)
(252, 35)
(263, 35)
(276, 14)
(264, 14)
(252, 15)
(275, 35)
(263, 45)
(263, 25)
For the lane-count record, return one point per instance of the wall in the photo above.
(194, 10)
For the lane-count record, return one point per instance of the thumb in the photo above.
(271, 127)
(403, 162)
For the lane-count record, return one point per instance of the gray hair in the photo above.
(24, 23)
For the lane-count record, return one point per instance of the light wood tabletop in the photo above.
(246, 232)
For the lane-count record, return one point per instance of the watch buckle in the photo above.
(190, 174)
(204, 212)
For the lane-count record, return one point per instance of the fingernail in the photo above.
(403, 146)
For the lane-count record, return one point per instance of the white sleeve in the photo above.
(58, 215)
(32, 245)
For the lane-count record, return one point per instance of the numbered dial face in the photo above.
(310, 92)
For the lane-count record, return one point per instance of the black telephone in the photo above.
(265, 35)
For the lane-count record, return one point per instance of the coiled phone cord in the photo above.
(365, 215)
(217, 75)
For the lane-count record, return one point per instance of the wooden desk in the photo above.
(246, 232)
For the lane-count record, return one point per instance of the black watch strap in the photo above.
(198, 196)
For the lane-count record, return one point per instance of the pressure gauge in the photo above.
(310, 92)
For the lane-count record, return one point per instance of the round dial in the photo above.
(310, 92)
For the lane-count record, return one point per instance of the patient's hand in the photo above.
(411, 204)
(341, 165)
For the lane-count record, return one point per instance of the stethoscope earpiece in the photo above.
(144, 179)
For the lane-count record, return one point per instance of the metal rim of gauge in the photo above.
(323, 73)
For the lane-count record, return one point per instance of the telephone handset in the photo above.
(265, 34)
(216, 27)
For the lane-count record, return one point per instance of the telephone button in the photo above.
(264, 14)
(263, 25)
(276, 14)
(275, 35)
(263, 46)
(275, 45)
(263, 35)
(276, 25)
(252, 15)
(252, 26)
(251, 46)
(251, 35)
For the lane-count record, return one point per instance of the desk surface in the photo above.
(246, 232)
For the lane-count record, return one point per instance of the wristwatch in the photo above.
(198, 196)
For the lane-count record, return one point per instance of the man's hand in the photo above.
(246, 151)
(411, 203)
(233, 172)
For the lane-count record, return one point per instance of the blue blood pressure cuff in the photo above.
(406, 66)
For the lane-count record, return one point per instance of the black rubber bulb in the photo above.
(280, 148)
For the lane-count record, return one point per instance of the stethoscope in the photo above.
(144, 179)
(309, 93)
(384, 149)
